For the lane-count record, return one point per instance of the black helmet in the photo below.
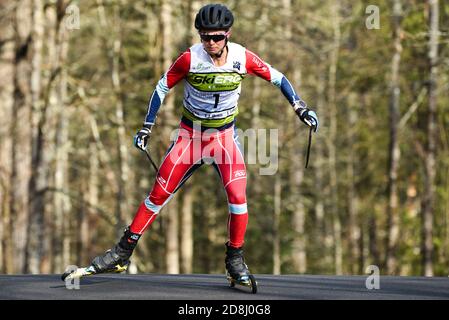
(214, 17)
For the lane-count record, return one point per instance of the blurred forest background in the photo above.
(73, 92)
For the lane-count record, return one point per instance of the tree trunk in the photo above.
(446, 219)
(188, 194)
(39, 171)
(256, 186)
(6, 103)
(48, 126)
(93, 200)
(298, 219)
(338, 253)
(84, 229)
(57, 43)
(320, 184)
(187, 231)
(299, 255)
(277, 254)
(354, 223)
(171, 209)
(123, 208)
(172, 244)
(20, 130)
(394, 155)
(257, 89)
(276, 223)
(429, 166)
(370, 250)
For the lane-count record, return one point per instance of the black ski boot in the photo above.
(236, 269)
(117, 258)
(235, 264)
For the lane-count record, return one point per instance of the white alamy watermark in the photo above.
(373, 20)
(72, 284)
(72, 19)
(373, 281)
(223, 148)
(262, 147)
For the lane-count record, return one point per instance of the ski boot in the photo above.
(117, 258)
(236, 269)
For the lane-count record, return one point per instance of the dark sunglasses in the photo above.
(215, 37)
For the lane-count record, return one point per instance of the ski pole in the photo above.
(309, 145)
(151, 160)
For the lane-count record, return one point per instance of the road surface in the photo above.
(215, 287)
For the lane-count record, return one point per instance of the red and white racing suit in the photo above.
(207, 132)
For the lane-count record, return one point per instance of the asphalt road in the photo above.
(215, 287)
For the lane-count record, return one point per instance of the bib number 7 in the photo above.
(217, 98)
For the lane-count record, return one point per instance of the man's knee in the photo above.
(158, 195)
(237, 197)
(237, 203)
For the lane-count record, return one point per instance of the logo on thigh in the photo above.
(161, 180)
(239, 173)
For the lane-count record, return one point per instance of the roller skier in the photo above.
(212, 71)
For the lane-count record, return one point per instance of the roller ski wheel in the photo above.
(245, 281)
(89, 271)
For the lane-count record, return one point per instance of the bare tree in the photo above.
(57, 132)
(39, 168)
(171, 210)
(276, 223)
(7, 55)
(299, 256)
(332, 103)
(394, 155)
(187, 231)
(320, 165)
(188, 194)
(354, 223)
(428, 205)
(122, 144)
(20, 131)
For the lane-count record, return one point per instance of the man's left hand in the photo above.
(309, 117)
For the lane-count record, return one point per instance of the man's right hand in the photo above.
(142, 137)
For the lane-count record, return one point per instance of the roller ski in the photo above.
(237, 272)
(115, 260)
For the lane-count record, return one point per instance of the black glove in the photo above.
(306, 115)
(142, 137)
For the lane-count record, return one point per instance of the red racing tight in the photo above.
(189, 151)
